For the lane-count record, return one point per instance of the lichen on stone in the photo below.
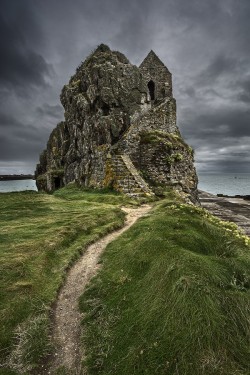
(119, 129)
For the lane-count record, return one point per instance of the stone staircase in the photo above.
(127, 178)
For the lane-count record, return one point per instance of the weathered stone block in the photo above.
(119, 130)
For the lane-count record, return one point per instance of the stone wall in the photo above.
(161, 117)
(109, 113)
(166, 160)
(157, 76)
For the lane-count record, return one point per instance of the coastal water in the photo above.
(230, 184)
(17, 185)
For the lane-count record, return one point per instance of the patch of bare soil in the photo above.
(66, 317)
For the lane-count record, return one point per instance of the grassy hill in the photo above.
(172, 298)
(40, 236)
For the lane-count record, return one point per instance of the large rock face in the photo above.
(119, 130)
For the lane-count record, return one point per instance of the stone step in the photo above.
(135, 190)
(136, 196)
(128, 179)
(128, 185)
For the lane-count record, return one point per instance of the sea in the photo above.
(17, 185)
(228, 184)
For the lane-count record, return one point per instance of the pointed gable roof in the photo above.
(152, 60)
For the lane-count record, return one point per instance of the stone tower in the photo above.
(119, 130)
(159, 78)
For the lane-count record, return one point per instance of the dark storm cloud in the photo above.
(7, 120)
(25, 77)
(222, 121)
(10, 152)
(205, 44)
(55, 111)
(244, 90)
(219, 66)
(221, 139)
(20, 64)
(21, 142)
(213, 166)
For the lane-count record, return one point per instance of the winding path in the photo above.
(67, 318)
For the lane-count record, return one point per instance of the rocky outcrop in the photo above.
(118, 114)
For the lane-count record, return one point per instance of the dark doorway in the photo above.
(57, 183)
(151, 87)
(105, 109)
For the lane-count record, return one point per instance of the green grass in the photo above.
(171, 298)
(40, 236)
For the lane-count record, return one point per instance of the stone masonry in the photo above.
(119, 130)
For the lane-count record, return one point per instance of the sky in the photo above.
(204, 43)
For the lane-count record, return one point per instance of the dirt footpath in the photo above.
(66, 317)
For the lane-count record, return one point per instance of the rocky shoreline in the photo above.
(245, 197)
(235, 208)
(11, 177)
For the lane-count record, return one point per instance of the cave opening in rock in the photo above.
(105, 109)
(151, 87)
(57, 183)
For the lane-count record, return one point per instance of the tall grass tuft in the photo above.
(173, 297)
(41, 235)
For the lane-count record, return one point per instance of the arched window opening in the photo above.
(151, 87)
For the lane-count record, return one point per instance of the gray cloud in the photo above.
(21, 65)
(244, 90)
(221, 65)
(20, 141)
(54, 111)
(225, 121)
(204, 44)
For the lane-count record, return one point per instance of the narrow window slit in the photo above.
(151, 87)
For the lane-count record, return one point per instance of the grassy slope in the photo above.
(40, 235)
(172, 298)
